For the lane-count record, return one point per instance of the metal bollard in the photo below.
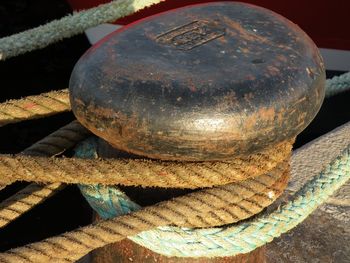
(207, 82)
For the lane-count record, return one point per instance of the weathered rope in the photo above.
(266, 189)
(247, 236)
(59, 141)
(68, 26)
(33, 107)
(55, 143)
(236, 201)
(24, 200)
(236, 239)
(138, 172)
(184, 210)
(337, 84)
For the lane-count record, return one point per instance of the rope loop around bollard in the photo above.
(227, 240)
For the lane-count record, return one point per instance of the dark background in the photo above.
(49, 69)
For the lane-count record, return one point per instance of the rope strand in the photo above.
(68, 26)
(122, 171)
(34, 194)
(71, 246)
(34, 107)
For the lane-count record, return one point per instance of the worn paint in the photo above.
(208, 82)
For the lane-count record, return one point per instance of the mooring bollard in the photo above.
(209, 82)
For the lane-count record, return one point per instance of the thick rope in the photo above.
(245, 201)
(24, 200)
(58, 141)
(34, 107)
(337, 84)
(241, 238)
(267, 188)
(185, 210)
(137, 172)
(245, 237)
(55, 143)
(68, 26)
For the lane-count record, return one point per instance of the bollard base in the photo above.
(127, 251)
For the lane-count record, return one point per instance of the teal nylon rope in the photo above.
(68, 26)
(337, 84)
(228, 240)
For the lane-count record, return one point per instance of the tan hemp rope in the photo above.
(33, 194)
(33, 107)
(208, 204)
(209, 207)
(137, 172)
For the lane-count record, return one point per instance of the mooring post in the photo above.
(209, 82)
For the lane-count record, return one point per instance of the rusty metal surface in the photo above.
(126, 251)
(207, 82)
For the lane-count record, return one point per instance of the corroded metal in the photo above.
(205, 82)
(127, 251)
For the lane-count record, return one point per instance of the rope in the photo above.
(34, 107)
(337, 84)
(24, 200)
(266, 189)
(179, 211)
(68, 26)
(137, 172)
(235, 239)
(247, 236)
(58, 141)
(33, 194)
(207, 207)
(236, 201)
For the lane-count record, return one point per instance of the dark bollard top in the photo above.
(204, 82)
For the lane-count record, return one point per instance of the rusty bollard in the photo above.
(207, 82)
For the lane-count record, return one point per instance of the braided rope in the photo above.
(68, 26)
(182, 210)
(234, 239)
(34, 107)
(33, 194)
(245, 237)
(111, 201)
(183, 242)
(24, 200)
(58, 141)
(139, 172)
(337, 84)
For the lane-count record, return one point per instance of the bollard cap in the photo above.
(204, 82)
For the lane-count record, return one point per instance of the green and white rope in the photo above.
(228, 240)
(68, 26)
(337, 84)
